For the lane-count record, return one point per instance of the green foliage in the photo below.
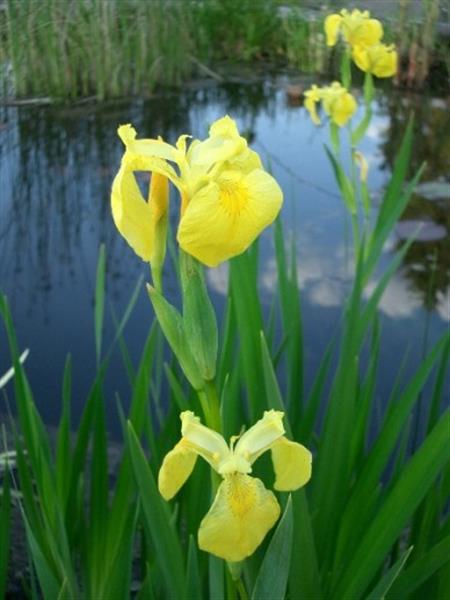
(111, 48)
(373, 522)
(272, 578)
(5, 512)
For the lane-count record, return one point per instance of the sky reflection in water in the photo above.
(56, 168)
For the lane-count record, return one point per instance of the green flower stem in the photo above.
(346, 69)
(368, 89)
(354, 215)
(210, 403)
(157, 278)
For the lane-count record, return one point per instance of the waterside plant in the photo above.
(367, 514)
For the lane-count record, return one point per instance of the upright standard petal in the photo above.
(239, 519)
(359, 28)
(223, 144)
(291, 463)
(147, 147)
(132, 214)
(175, 469)
(227, 215)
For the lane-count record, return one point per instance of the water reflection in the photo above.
(56, 167)
(427, 264)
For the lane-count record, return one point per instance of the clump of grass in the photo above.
(96, 47)
(109, 48)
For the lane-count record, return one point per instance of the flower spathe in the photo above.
(356, 28)
(227, 198)
(379, 59)
(338, 103)
(243, 510)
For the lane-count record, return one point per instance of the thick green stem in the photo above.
(157, 278)
(209, 400)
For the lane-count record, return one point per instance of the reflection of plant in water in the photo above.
(427, 262)
(61, 158)
(432, 122)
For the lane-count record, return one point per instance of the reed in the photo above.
(96, 47)
(66, 49)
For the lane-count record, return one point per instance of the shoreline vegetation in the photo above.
(66, 50)
(297, 493)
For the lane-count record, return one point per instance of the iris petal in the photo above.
(380, 59)
(132, 214)
(261, 435)
(207, 443)
(239, 519)
(175, 469)
(332, 25)
(225, 217)
(147, 147)
(291, 463)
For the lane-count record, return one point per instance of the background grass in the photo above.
(66, 49)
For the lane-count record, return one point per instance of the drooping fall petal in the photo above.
(175, 469)
(132, 214)
(291, 463)
(240, 517)
(225, 217)
(380, 59)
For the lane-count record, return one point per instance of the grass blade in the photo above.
(384, 585)
(193, 584)
(5, 525)
(99, 310)
(272, 578)
(304, 576)
(421, 570)
(157, 521)
(415, 481)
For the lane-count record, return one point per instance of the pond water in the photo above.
(56, 169)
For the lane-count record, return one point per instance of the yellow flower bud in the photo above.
(363, 165)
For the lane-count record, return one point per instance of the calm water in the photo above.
(56, 168)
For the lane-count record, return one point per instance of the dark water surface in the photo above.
(56, 168)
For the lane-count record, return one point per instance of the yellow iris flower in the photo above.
(227, 198)
(337, 102)
(243, 510)
(356, 27)
(379, 59)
